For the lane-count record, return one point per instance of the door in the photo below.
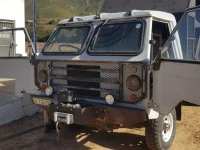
(179, 76)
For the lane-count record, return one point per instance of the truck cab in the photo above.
(122, 69)
(97, 71)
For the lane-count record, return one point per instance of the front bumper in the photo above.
(95, 115)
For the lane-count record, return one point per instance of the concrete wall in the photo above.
(15, 10)
(17, 108)
(16, 75)
(21, 71)
(7, 90)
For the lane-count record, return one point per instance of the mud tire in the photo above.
(160, 136)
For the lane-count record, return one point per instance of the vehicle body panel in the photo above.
(176, 82)
(143, 57)
(179, 76)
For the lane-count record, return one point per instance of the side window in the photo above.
(160, 33)
(14, 42)
(185, 41)
(7, 46)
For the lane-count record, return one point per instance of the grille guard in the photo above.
(96, 79)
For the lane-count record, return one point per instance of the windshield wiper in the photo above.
(96, 35)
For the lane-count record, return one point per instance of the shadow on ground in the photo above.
(86, 138)
(82, 138)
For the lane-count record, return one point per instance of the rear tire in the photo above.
(160, 132)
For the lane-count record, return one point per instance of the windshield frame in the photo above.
(117, 53)
(71, 25)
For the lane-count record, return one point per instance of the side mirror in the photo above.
(156, 43)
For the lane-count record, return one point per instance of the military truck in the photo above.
(124, 69)
(113, 70)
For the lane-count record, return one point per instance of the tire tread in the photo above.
(152, 138)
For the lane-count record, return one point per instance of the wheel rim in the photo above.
(167, 127)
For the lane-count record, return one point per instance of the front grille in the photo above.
(85, 79)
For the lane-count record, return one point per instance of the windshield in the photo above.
(124, 37)
(67, 40)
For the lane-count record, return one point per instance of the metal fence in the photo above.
(7, 39)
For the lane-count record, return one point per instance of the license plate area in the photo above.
(63, 117)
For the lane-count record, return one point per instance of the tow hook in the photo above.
(58, 132)
(64, 118)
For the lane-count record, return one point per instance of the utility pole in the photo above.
(34, 25)
(96, 7)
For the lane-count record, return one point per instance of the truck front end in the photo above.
(87, 74)
(92, 73)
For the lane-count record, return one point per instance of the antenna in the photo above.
(96, 7)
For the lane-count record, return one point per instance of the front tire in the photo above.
(160, 132)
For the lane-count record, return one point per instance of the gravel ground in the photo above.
(187, 136)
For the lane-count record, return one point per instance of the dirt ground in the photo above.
(187, 136)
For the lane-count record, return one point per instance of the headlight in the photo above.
(133, 83)
(110, 99)
(42, 76)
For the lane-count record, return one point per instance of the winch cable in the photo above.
(21, 133)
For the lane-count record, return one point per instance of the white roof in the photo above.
(133, 13)
(154, 13)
